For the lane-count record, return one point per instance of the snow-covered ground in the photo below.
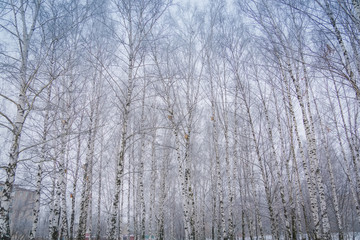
(334, 236)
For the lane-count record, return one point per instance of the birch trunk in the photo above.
(98, 222)
(122, 215)
(330, 169)
(24, 36)
(11, 168)
(348, 139)
(121, 155)
(192, 93)
(300, 202)
(188, 183)
(236, 155)
(219, 186)
(184, 169)
(257, 215)
(214, 180)
(185, 177)
(230, 233)
(128, 199)
(54, 217)
(43, 158)
(314, 163)
(153, 184)
(274, 156)
(141, 199)
(353, 186)
(215, 138)
(62, 177)
(356, 5)
(76, 175)
(119, 173)
(163, 178)
(350, 77)
(274, 230)
(251, 212)
(308, 174)
(85, 220)
(182, 183)
(296, 227)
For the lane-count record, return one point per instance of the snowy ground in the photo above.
(348, 236)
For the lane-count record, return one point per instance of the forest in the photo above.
(180, 119)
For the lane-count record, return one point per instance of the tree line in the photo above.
(173, 120)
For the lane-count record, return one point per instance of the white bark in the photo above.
(85, 220)
(43, 158)
(314, 162)
(62, 178)
(119, 173)
(24, 36)
(153, 184)
(230, 233)
(99, 191)
(74, 189)
(292, 125)
(124, 131)
(353, 185)
(242, 90)
(331, 173)
(274, 230)
(308, 174)
(138, 21)
(141, 198)
(219, 186)
(163, 193)
(274, 156)
(350, 74)
(54, 209)
(290, 186)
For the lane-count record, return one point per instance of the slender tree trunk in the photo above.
(230, 233)
(163, 192)
(300, 202)
(121, 155)
(43, 158)
(213, 183)
(182, 183)
(76, 175)
(235, 158)
(330, 169)
(353, 186)
(54, 217)
(350, 78)
(258, 218)
(308, 174)
(188, 181)
(261, 164)
(274, 156)
(314, 163)
(24, 39)
(141, 198)
(219, 187)
(122, 215)
(86, 190)
(153, 185)
(62, 177)
(295, 227)
(98, 223)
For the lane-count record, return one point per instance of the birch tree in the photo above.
(137, 19)
(44, 157)
(24, 16)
